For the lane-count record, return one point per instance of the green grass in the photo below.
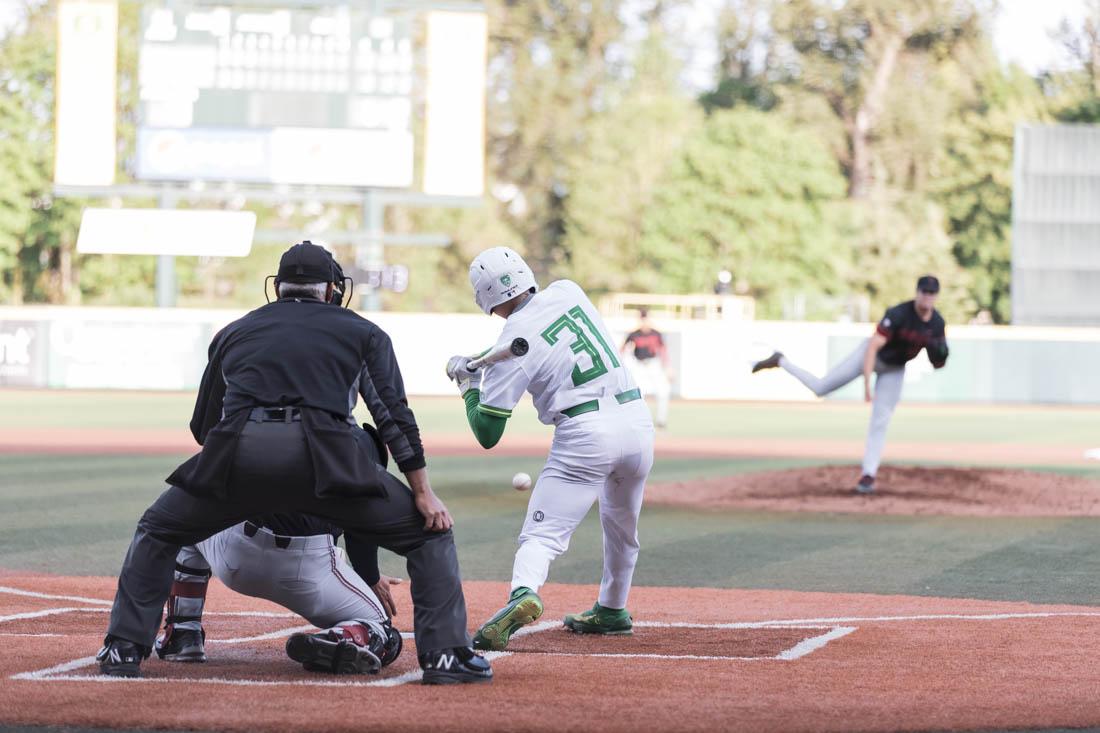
(803, 421)
(75, 515)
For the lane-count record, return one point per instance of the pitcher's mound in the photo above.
(899, 490)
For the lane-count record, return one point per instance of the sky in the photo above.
(1021, 31)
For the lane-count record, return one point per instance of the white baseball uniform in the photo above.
(603, 436)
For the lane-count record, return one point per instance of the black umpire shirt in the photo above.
(316, 357)
(906, 334)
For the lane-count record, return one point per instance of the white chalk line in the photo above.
(48, 596)
(799, 650)
(39, 614)
(101, 602)
(264, 637)
(56, 674)
(811, 645)
(836, 620)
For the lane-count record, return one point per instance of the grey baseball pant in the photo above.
(888, 383)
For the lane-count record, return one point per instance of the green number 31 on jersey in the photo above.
(576, 322)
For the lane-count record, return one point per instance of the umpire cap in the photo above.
(307, 263)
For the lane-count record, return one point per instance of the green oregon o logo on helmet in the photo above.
(505, 280)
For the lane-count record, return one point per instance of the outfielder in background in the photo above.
(603, 437)
(647, 355)
(899, 337)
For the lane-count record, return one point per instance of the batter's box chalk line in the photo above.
(799, 650)
(834, 628)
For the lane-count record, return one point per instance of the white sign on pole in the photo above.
(182, 232)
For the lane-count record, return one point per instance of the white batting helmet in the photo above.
(499, 274)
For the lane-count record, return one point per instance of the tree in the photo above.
(896, 238)
(747, 193)
(614, 173)
(1082, 84)
(551, 65)
(849, 53)
(746, 54)
(974, 183)
(37, 233)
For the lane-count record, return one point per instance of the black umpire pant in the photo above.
(272, 472)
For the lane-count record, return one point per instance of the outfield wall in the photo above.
(165, 349)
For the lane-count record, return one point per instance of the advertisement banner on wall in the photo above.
(120, 355)
(23, 360)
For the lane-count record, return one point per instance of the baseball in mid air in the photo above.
(521, 482)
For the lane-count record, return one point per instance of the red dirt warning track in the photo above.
(701, 659)
(178, 441)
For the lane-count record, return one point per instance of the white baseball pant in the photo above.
(888, 383)
(602, 456)
(652, 379)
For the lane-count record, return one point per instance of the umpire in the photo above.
(273, 417)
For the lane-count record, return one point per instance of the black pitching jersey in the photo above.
(647, 344)
(906, 334)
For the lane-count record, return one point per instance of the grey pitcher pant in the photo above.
(888, 383)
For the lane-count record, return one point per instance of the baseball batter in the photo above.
(291, 559)
(903, 332)
(603, 437)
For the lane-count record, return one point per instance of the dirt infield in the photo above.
(701, 659)
(973, 492)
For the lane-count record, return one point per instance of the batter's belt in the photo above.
(594, 405)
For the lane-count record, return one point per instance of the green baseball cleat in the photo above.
(600, 620)
(524, 607)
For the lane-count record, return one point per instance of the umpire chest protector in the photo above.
(301, 362)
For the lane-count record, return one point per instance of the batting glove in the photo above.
(463, 377)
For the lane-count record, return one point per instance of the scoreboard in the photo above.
(319, 94)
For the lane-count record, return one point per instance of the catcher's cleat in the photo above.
(524, 607)
(770, 363)
(600, 620)
(460, 665)
(181, 645)
(866, 485)
(120, 658)
(343, 650)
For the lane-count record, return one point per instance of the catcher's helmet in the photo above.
(499, 274)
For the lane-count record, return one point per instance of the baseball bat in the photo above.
(518, 347)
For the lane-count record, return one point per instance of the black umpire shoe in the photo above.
(120, 658)
(455, 666)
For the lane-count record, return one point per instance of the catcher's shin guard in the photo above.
(183, 639)
(353, 647)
